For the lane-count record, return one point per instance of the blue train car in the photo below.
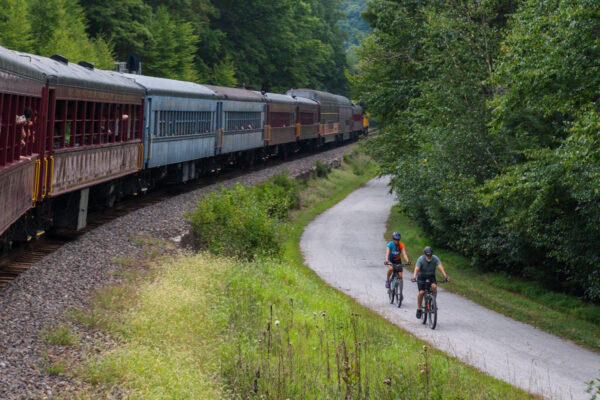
(179, 124)
(240, 120)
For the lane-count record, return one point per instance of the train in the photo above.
(74, 137)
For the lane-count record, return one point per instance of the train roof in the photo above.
(316, 95)
(236, 94)
(16, 63)
(343, 101)
(305, 101)
(65, 73)
(279, 98)
(171, 87)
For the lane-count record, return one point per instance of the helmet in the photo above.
(396, 236)
(428, 251)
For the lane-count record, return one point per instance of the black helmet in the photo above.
(396, 236)
(428, 251)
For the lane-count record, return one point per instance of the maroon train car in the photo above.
(21, 87)
(86, 131)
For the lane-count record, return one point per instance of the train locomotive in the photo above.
(73, 136)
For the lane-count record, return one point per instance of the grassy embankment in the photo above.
(196, 326)
(557, 313)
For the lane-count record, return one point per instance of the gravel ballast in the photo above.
(67, 279)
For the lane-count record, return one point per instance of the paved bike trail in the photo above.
(349, 238)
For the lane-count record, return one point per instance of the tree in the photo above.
(124, 23)
(15, 29)
(172, 49)
(59, 27)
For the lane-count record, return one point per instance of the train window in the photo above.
(307, 118)
(242, 120)
(179, 123)
(281, 119)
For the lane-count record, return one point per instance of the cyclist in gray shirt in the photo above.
(425, 269)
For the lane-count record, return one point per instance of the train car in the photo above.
(308, 120)
(92, 138)
(329, 112)
(179, 128)
(86, 132)
(240, 121)
(281, 130)
(345, 110)
(357, 120)
(21, 87)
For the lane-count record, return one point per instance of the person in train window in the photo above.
(117, 123)
(249, 126)
(26, 123)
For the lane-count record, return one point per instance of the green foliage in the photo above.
(170, 53)
(123, 22)
(488, 122)
(245, 221)
(59, 27)
(224, 73)
(264, 36)
(322, 169)
(356, 27)
(15, 28)
(60, 335)
(274, 44)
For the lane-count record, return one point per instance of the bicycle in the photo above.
(429, 309)
(395, 289)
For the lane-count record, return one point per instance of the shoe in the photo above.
(419, 313)
(387, 284)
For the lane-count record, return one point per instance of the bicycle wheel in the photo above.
(391, 292)
(432, 312)
(425, 310)
(399, 292)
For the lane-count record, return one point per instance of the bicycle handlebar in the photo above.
(428, 281)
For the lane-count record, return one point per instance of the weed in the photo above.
(60, 335)
(57, 368)
(322, 169)
(593, 388)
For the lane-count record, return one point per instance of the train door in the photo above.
(220, 128)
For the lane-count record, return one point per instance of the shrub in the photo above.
(322, 169)
(245, 221)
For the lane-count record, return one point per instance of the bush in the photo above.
(244, 222)
(322, 169)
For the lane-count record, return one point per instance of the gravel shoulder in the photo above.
(68, 278)
(509, 350)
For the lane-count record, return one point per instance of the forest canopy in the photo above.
(261, 44)
(491, 130)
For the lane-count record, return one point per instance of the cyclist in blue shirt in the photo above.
(394, 252)
(425, 269)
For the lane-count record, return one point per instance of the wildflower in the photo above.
(276, 322)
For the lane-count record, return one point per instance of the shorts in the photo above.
(397, 267)
(424, 285)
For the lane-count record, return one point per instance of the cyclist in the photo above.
(393, 255)
(425, 269)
